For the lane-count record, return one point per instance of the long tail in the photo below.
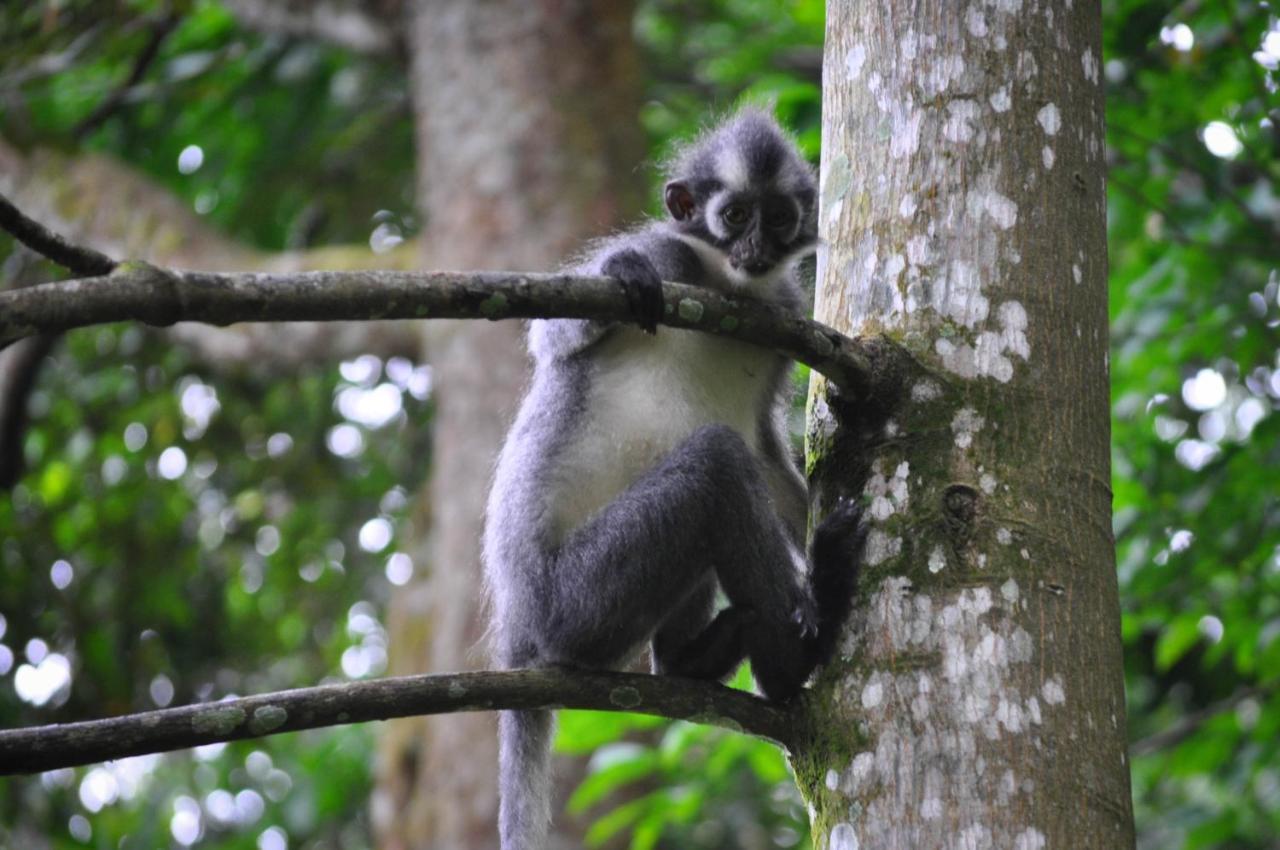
(524, 781)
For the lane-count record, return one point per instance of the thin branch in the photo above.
(43, 748)
(1177, 232)
(19, 367)
(146, 293)
(1264, 226)
(1191, 723)
(160, 30)
(804, 62)
(40, 239)
(52, 64)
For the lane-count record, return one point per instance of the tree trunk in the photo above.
(979, 702)
(528, 138)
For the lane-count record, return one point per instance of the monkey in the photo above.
(647, 470)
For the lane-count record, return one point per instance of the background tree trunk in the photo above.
(980, 701)
(528, 138)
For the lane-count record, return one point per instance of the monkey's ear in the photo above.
(680, 201)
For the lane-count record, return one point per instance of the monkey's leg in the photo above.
(717, 651)
(691, 644)
(705, 505)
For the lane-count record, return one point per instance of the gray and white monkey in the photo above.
(646, 469)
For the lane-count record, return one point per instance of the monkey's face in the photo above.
(757, 230)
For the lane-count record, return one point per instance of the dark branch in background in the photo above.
(804, 62)
(19, 367)
(43, 748)
(159, 32)
(1178, 233)
(1267, 228)
(35, 236)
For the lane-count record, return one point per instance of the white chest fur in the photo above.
(648, 393)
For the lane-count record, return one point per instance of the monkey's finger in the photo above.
(652, 308)
(644, 294)
(639, 290)
(805, 618)
(640, 297)
(845, 522)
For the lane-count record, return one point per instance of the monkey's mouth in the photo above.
(755, 268)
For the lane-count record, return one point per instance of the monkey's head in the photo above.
(744, 190)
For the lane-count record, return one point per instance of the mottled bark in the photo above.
(528, 140)
(979, 699)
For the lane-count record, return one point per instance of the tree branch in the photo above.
(38, 238)
(1190, 723)
(146, 293)
(52, 64)
(160, 30)
(43, 748)
(19, 367)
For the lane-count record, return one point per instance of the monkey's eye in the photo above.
(735, 215)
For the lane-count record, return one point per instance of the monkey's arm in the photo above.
(640, 260)
(711, 654)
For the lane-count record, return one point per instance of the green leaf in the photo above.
(616, 821)
(581, 732)
(621, 766)
(1176, 640)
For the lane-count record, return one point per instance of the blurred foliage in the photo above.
(1194, 226)
(681, 785)
(709, 56)
(285, 128)
(245, 570)
(166, 547)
